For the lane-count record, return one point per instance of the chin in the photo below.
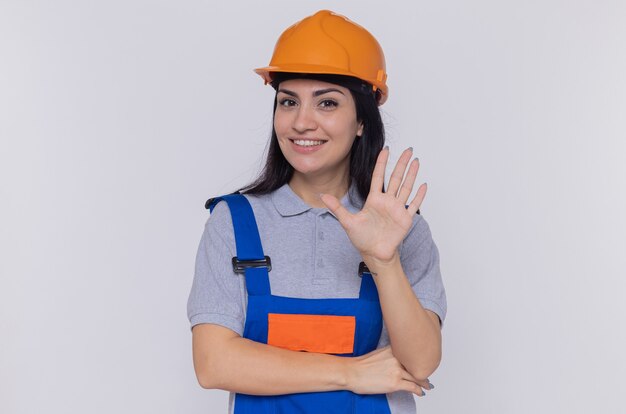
(302, 166)
(305, 170)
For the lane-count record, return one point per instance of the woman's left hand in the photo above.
(384, 221)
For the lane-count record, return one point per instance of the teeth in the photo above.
(307, 142)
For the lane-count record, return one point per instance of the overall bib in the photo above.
(343, 327)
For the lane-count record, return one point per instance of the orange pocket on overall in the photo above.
(327, 334)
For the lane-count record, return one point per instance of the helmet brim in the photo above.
(266, 72)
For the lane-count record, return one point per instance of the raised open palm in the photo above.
(384, 221)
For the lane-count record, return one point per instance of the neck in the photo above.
(308, 188)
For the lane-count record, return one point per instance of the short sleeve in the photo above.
(420, 261)
(217, 292)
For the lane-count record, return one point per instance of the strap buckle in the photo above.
(211, 200)
(240, 266)
(208, 203)
(363, 269)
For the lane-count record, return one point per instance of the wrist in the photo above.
(347, 372)
(377, 266)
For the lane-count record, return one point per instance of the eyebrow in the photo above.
(315, 94)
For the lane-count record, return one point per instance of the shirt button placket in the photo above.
(320, 236)
(318, 277)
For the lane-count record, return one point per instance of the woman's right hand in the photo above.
(379, 372)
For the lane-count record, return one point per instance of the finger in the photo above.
(398, 171)
(406, 375)
(412, 387)
(417, 200)
(378, 176)
(425, 383)
(335, 207)
(409, 180)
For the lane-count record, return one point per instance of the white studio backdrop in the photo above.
(118, 119)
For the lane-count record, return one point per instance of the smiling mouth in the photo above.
(307, 142)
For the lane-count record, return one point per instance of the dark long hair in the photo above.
(365, 149)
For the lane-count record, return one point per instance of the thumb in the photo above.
(335, 207)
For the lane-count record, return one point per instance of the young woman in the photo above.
(317, 289)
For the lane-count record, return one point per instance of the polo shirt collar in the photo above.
(288, 203)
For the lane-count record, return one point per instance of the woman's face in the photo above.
(316, 124)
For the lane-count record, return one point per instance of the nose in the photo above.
(304, 120)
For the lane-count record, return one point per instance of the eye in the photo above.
(287, 102)
(328, 103)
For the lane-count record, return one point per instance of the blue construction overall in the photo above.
(348, 327)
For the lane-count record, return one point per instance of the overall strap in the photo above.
(248, 243)
(368, 287)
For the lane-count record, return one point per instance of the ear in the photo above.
(359, 131)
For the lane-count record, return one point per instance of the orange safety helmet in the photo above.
(329, 43)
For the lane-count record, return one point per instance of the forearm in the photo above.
(249, 367)
(415, 340)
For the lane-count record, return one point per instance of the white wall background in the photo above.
(118, 119)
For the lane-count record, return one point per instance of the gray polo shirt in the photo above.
(312, 257)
